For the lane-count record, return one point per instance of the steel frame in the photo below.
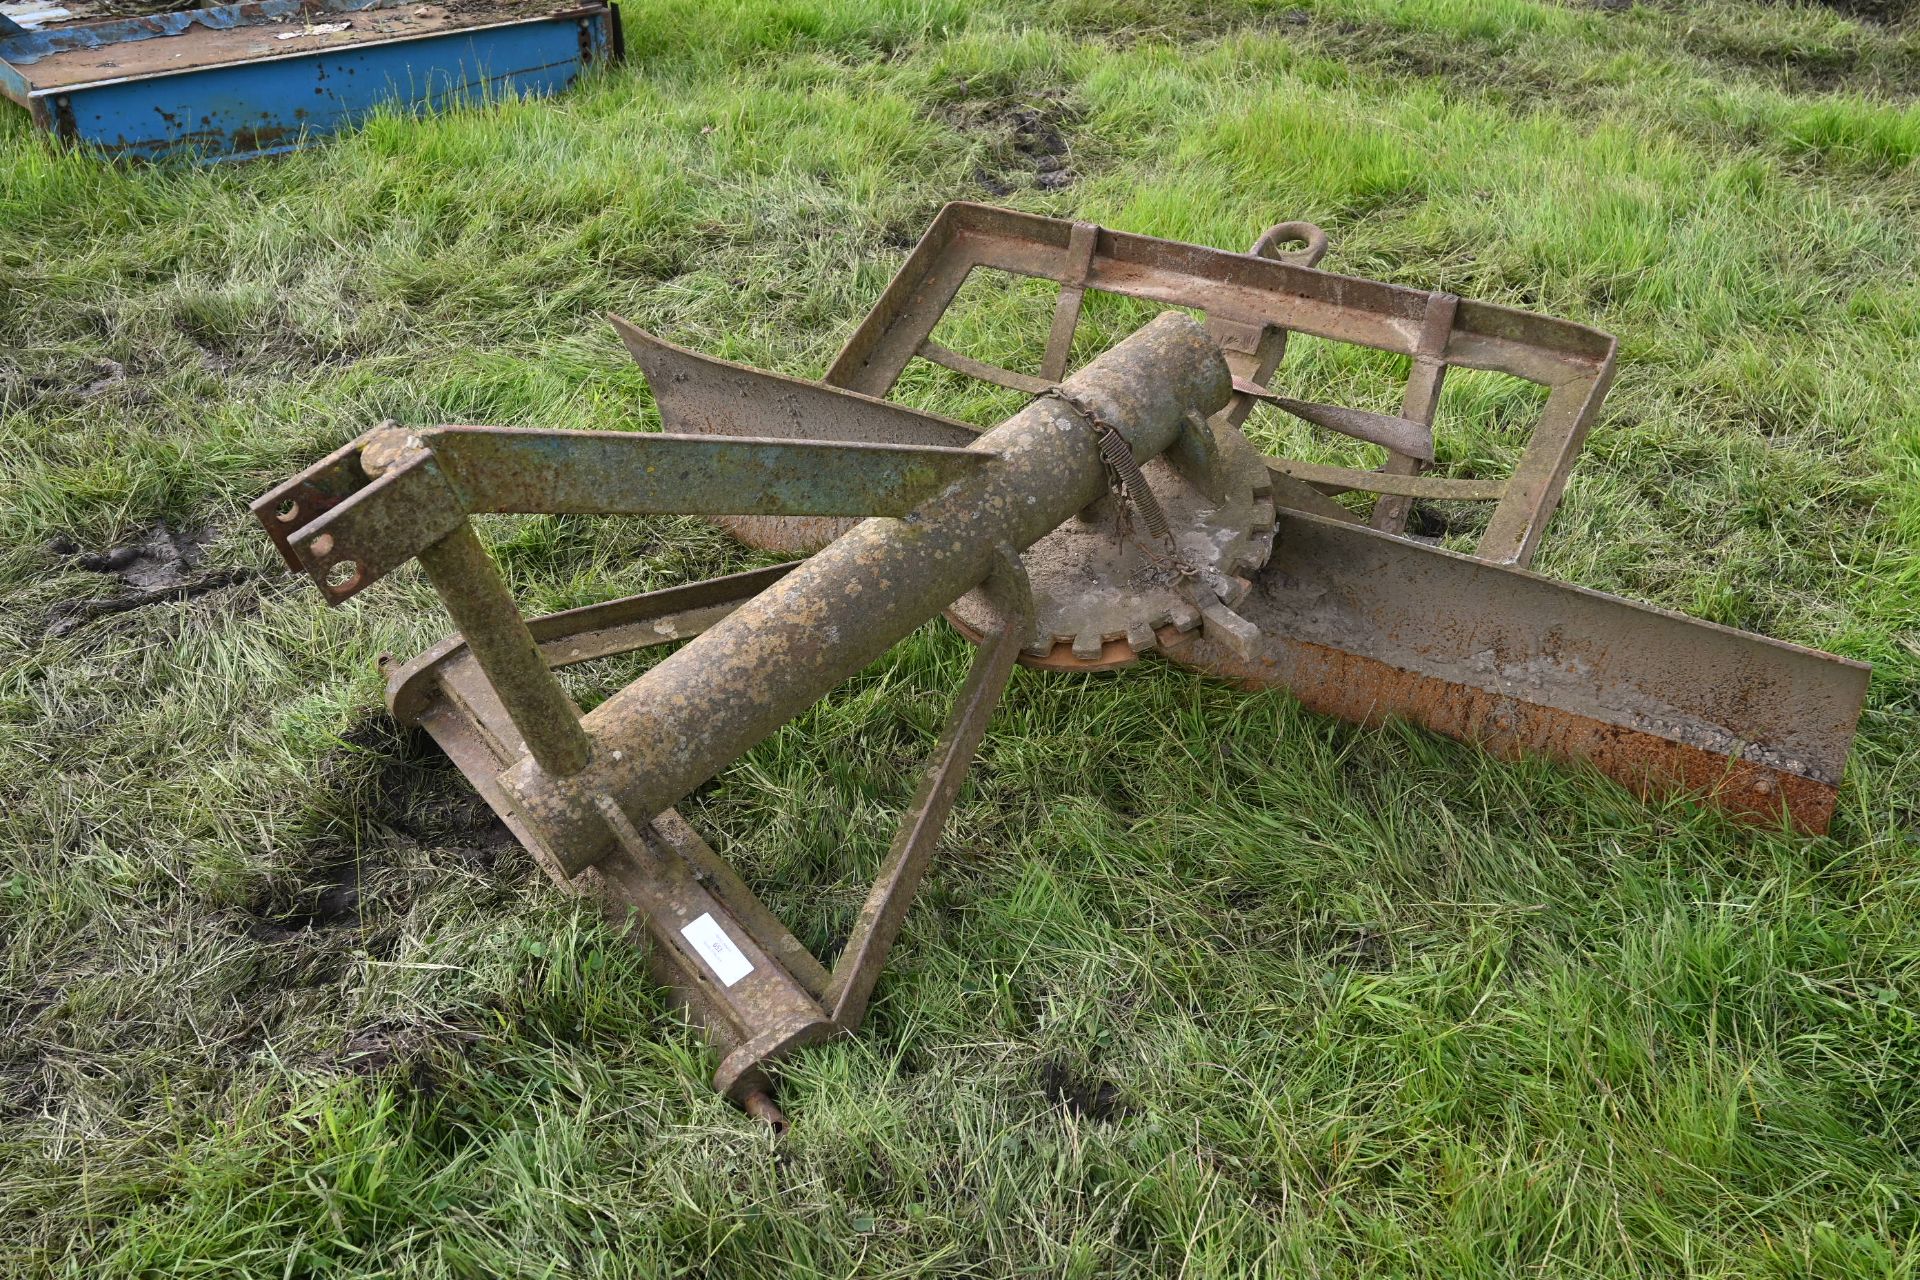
(1252, 301)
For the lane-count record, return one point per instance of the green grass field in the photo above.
(1202, 984)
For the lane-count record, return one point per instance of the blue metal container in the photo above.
(254, 79)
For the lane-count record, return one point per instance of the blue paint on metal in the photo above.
(31, 46)
(12, 83)
(272, 104)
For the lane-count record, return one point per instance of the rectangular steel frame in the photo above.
(1252, 301)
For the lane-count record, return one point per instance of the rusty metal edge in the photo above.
(1798, 783)
(1580, 351)
(1370, 692)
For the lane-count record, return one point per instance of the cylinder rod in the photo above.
(700, 709)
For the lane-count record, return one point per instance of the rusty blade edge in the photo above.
(785, 407)
(1367, 691)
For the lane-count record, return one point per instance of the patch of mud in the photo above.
(1866, 63)
(311, 933)
(163, 565)
(399, 827)
(415, 791)
(1193, 23)
(23, 1079)
(1437, 521)
(295, 956)
(112, 374)
(1087, 1098)
(1457, 68)
(1884, 12)
(901, 236)
(162, 558)
(23, 1089)
(1358, 946)
(1847, 65)
(412, 795)
(1853, 64)
(329, 898)
(416, 1051)
(269, 338)
(71, 379)
(1025, 137)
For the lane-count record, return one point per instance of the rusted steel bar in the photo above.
(424, 484)
(885, 910)
(1239, 287)
(1413, 439)
(1419, 403)
(699, 394)
(502, 469)
(1066, 309)
(771, 1010)
(1346, 480)
(1533, 494)
(483, 609)
(705, 395)
(1012, 380)
(593, 631)
(704, 706)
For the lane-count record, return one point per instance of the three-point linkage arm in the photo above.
(395, 492)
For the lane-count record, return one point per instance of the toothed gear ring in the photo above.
(1105, 591)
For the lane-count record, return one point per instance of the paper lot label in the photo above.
(707, 938)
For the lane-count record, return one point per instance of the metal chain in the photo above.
(1124, 476)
